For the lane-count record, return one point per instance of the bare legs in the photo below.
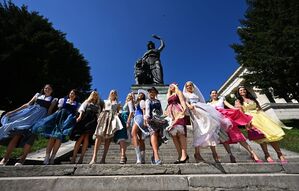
(199, 158)
(95, 149)
(106, 148)
(138, 143)
(155, 147)
(85, 139)
(250, 150)
(180, 142)
(26, 151)
(11, 146)
(123, 148)
(228, 150)
(52, 148)
(276, 147)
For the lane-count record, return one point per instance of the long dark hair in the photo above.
(210, 100)
(248, 95)
(42, 90)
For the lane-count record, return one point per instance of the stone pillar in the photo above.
(162, 96)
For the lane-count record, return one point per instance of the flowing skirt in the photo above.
(58, 125)
(124, 133)
(21, 122)
(205, 126)
(270, 128)
(87, 125)
(237, 118)
(138, 120)
(108, 124)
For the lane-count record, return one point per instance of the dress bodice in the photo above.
(44, 101)
(92, 108)
(192, 98)
(139, 107)
(111, 105)
(218, 104)
(153, 104)
(128, 107)
(173, 99)
(249, 106)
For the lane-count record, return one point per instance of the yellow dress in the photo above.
(270, 128)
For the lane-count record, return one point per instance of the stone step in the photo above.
(147, 169)
(250, 182)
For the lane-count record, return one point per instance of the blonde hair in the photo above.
(116, 95)
(190, 83)
(176, 89)
(129, 97)
(93, 98)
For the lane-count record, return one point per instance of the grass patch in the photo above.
(291, 139)
(38, 144)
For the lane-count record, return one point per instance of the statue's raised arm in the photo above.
(162, 44)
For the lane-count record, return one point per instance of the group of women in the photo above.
(102, 121)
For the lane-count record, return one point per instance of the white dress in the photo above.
(205, 126)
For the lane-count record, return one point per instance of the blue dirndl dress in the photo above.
(60, 124)
(22, 121)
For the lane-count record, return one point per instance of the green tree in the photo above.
(269, 46)
(33, 53)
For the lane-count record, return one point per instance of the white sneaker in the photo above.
(92, 162)
(46, 161)
(18, 164)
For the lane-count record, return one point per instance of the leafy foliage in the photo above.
(269, 46)
(33, 53)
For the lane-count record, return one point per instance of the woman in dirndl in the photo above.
(108, 124)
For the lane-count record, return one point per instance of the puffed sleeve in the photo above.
(60, 102)
(147, 108)
(130, 106)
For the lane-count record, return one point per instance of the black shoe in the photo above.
(164, 139)
(184, 161)
(153, 160)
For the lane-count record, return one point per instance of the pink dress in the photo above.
(237, 118)
(175, 112)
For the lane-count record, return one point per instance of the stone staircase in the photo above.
(211, 176)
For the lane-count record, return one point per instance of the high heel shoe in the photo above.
(256, 160)
(216, 159)
(123, 160)
(232, 158)
(184, 161)
(269, 159)
(177, 161)
(282, 159)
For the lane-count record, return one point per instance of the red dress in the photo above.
(237, 117)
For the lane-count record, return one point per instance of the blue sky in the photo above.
(112, 35)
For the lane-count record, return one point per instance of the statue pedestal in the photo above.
(162, 96)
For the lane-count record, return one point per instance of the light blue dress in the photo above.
(22, 121)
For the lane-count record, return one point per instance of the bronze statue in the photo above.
(148, 69)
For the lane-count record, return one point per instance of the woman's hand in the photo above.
(128, 124)
(191, 107)
(78, 119)
(9, 113)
